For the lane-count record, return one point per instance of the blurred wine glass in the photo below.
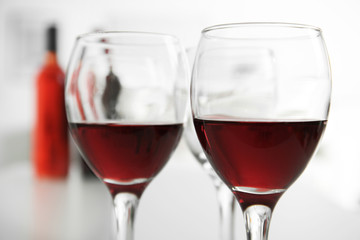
(225, 198)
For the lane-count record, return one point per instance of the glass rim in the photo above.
(278, 25)
(94, 37)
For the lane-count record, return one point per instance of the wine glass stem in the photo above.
(125, 209)
(257, 221)
(226, 204)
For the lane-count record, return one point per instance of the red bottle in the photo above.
(51, 146)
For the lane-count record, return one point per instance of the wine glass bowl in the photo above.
(145, 68)
(260, 97)
(125, 94)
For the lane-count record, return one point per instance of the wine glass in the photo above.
(126, 96)
(260, 96)
(225, 198)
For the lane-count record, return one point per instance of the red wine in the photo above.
(259, 160)
(126, 157)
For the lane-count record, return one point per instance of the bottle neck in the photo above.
(50, 58)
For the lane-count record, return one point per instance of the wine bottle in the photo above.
(50, 136)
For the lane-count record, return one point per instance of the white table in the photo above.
(179, 204)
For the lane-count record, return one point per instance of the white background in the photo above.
(332, 177)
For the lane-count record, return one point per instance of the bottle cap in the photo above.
(51, 38)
